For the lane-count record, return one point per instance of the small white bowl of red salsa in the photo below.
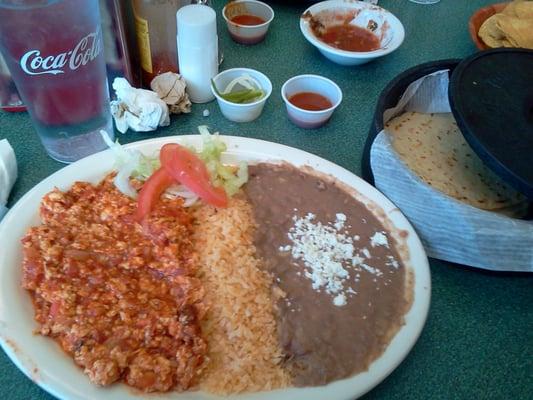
(351, 32)
(310, 100)
(247, 20)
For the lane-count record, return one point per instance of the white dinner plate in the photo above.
(44, 362)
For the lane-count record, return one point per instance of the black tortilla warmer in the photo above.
(491, 97)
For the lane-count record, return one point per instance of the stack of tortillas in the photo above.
(432, 146)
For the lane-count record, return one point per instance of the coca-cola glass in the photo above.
(54, 51)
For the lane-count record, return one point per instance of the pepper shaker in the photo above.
(197, 43)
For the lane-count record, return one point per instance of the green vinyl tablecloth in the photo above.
(477, 343)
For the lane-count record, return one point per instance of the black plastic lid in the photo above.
(491, 97)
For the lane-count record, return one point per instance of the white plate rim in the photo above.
(61, 378)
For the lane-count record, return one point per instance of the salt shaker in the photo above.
(197, 50)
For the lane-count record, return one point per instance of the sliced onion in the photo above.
(190, 202)
(245, 81)
(181, 191)
(122, 179)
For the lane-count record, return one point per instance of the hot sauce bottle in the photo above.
(155, 26)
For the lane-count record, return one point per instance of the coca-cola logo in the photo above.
(87, 49)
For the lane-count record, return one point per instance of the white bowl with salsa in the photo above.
(351, 33)
(248, 20)
(310, 100)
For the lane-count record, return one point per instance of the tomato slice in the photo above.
(151, 191)
(167, 152)
(188, 169)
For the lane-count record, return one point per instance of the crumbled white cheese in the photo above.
(206, 113)
(366, 253)
(339, 223)
(326, 253)
(392, 262)
(351, 291)
(340, 217)
(340, 300)
(356, 261)
(379, 239)
(372, 270)
(323, 251)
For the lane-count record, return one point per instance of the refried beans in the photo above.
(330, 326)
(119, 297)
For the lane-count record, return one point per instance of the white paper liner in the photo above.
(449, 229)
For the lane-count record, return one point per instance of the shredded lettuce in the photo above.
(227, 176)
(146, 167)
(133, 164)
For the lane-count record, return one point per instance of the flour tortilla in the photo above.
(433, 147)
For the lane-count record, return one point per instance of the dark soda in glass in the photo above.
(54, 51)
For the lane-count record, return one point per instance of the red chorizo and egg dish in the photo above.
(181, 273)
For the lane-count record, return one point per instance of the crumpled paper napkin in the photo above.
(8, 173)
(171, 89)
(137, 109)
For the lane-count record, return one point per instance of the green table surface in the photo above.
(477, 343)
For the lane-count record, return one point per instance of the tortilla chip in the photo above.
(513, 27)
(432, 146)
(519, 32)
(491, 34)
(522, 9)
